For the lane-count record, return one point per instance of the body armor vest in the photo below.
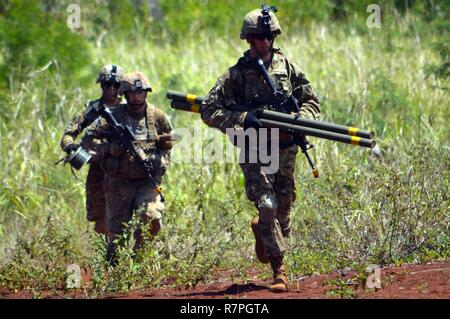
(125, 166)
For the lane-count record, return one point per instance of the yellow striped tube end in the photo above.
(355, 140)
(352, 130)
(191, 98)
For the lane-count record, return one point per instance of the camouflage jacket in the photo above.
(242, 85)
(147, 129)
(80, 122)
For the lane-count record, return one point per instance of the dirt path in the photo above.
(407, 281)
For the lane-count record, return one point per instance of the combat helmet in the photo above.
(260, 21)
(110, 73)
(134, 81)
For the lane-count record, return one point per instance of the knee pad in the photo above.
(267, 208)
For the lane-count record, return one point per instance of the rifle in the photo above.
(289, 105)
(294, 123)
(125, 137)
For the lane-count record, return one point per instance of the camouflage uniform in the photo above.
(127, 188)
(95, 196)
(272, 194)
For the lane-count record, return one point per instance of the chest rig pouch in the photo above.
(258, 94)
(256, 91)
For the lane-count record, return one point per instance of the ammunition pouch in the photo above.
(282, 80)
(127, 167)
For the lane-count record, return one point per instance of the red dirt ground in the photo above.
(407, 281)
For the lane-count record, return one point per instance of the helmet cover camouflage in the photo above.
(254, 24)
(134, 81)
(110, 73)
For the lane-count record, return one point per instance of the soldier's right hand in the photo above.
(251, 120)
(71, 148)
(115, 149)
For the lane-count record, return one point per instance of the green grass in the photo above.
(360, 211)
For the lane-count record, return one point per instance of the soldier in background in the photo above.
(241, 85)
(127, 188)
(109, 79)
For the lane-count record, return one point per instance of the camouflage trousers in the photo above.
(95, 198)
(125, 197)
(273, 195)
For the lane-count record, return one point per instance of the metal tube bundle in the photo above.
(297, 120)
(330, 131)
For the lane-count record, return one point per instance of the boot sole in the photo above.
(278, 289)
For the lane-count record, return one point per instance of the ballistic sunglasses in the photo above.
(261, 36)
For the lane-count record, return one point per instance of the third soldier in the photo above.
(109, 78)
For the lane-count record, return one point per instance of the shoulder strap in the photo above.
(288, 65)
(151, 129)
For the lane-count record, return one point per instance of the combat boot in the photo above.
(259, 246)
(280, 281)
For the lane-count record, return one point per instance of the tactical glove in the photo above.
(71, 148)
(251, 120)
(159, 161)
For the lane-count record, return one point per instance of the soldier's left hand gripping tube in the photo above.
(126, 137)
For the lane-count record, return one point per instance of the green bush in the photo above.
(32, 39)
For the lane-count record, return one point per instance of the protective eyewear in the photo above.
(111, 83)
(262, 36)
